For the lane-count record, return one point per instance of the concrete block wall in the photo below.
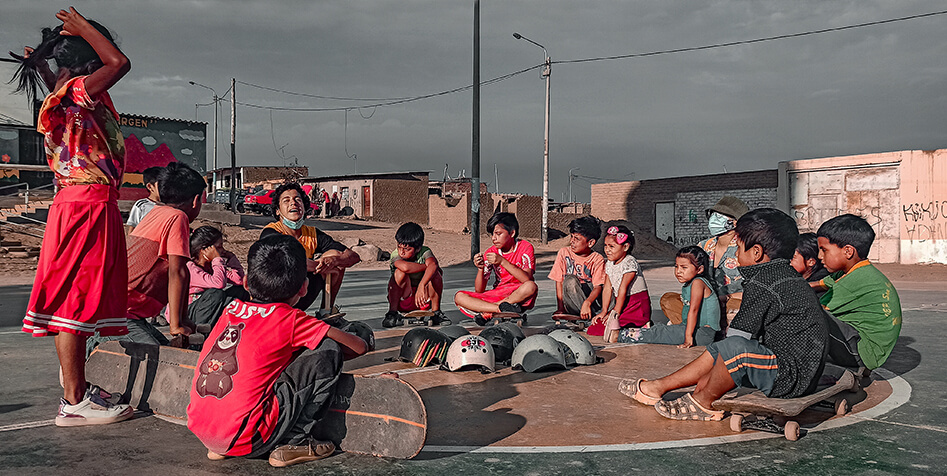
(634, 201)
(690, 219)
(400, 201)
(528, 210)
(452, 212)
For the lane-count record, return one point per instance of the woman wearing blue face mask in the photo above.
(722, 248)
(324, 255)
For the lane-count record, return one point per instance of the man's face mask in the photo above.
(295, 225)
(719, 224)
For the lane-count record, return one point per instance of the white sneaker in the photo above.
(92, 410)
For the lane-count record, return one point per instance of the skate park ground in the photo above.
(567, 422)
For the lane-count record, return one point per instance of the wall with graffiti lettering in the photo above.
(923, 207)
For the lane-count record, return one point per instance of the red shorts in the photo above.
(407, 304)
(81, 280)
(497, 294)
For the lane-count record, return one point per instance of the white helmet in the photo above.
(470, 350)
(538, 352)
(581, 347)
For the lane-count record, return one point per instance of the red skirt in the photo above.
(637, 312)
(81, 283)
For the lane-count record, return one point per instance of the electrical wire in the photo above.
(748, 42)
(317, 96)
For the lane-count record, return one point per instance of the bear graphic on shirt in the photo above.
(220, 364)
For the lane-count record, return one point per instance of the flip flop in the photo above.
(686, 408)
(632, 388)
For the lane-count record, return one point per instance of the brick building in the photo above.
(673, 208)
(395, 197)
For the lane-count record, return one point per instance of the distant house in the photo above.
(394, 197)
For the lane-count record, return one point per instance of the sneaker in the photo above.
(288, 455)
(483, 318)
(439, 318)
(392, 319)
(511, 307)
(92, 410)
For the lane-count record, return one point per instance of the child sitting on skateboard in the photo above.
(865, 319)
(579, 272)
(511, 261)
(416, 280)
(271, 372)
(777, 342)
(624, 283)
(701, 312)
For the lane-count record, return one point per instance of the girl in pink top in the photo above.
(80, 286)
(212, 269)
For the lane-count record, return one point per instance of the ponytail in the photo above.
(27, 75)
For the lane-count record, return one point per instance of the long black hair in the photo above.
(73, 53)
(698, 257)
(202, 238)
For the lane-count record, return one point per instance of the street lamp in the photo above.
(216, 101)
(570, 182)
(547, 70)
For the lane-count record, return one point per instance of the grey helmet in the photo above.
(581, 347)
(515, 329)
(470, 351)
(538, 352)
(423, 345)
(502, 340)
(567, 354)
(454, 331)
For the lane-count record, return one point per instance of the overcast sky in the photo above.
(866, 90)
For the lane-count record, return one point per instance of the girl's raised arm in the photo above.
(115, 64)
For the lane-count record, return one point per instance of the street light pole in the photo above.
(570, 182)
(214, 172)
(547, 71)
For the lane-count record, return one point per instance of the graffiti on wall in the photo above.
(925, 221)
(811, 218)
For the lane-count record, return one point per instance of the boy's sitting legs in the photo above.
(574, 294)
(304, 390)
(749, 364)
(523, 296)
(843, 343)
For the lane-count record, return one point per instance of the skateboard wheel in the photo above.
(736, 422)
(791, 430)
(841, 407)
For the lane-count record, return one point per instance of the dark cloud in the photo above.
(742, 108)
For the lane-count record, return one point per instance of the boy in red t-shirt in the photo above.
(158, 251)
(511, 261)
(579, 272)
(268, 371)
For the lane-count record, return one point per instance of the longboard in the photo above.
(368, 415)
(755, 411)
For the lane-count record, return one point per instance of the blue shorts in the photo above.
(750, 363)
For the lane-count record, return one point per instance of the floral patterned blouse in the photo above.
(84, 144)
(726, 274)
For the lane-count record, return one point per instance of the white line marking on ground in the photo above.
(597, 375)
(900, 394)
(24, 426)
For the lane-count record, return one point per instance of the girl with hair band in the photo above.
(625, 284)
(82, 276)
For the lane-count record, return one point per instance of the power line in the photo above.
(317, 96)
(757, 40)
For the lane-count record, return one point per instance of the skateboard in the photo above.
(577, 323)
(498, 317)
(368, 415)
(754, 411)
(423, 318)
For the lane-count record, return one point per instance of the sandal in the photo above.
(686, 408)
(632, 388)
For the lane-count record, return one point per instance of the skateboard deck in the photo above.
(508, 317)
(375, 416)
(577, 321)
(764, 411)
(419, 318)
(368, 415)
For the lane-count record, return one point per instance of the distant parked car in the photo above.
(262, 203)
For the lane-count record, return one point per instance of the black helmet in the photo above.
(502, 340)
(423, 346)
(362, 330)
(515, 329)
(454, 331)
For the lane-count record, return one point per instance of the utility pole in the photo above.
(475, 140)
(233, 147)
(216, 109)
(571, 176)
(547, 71)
